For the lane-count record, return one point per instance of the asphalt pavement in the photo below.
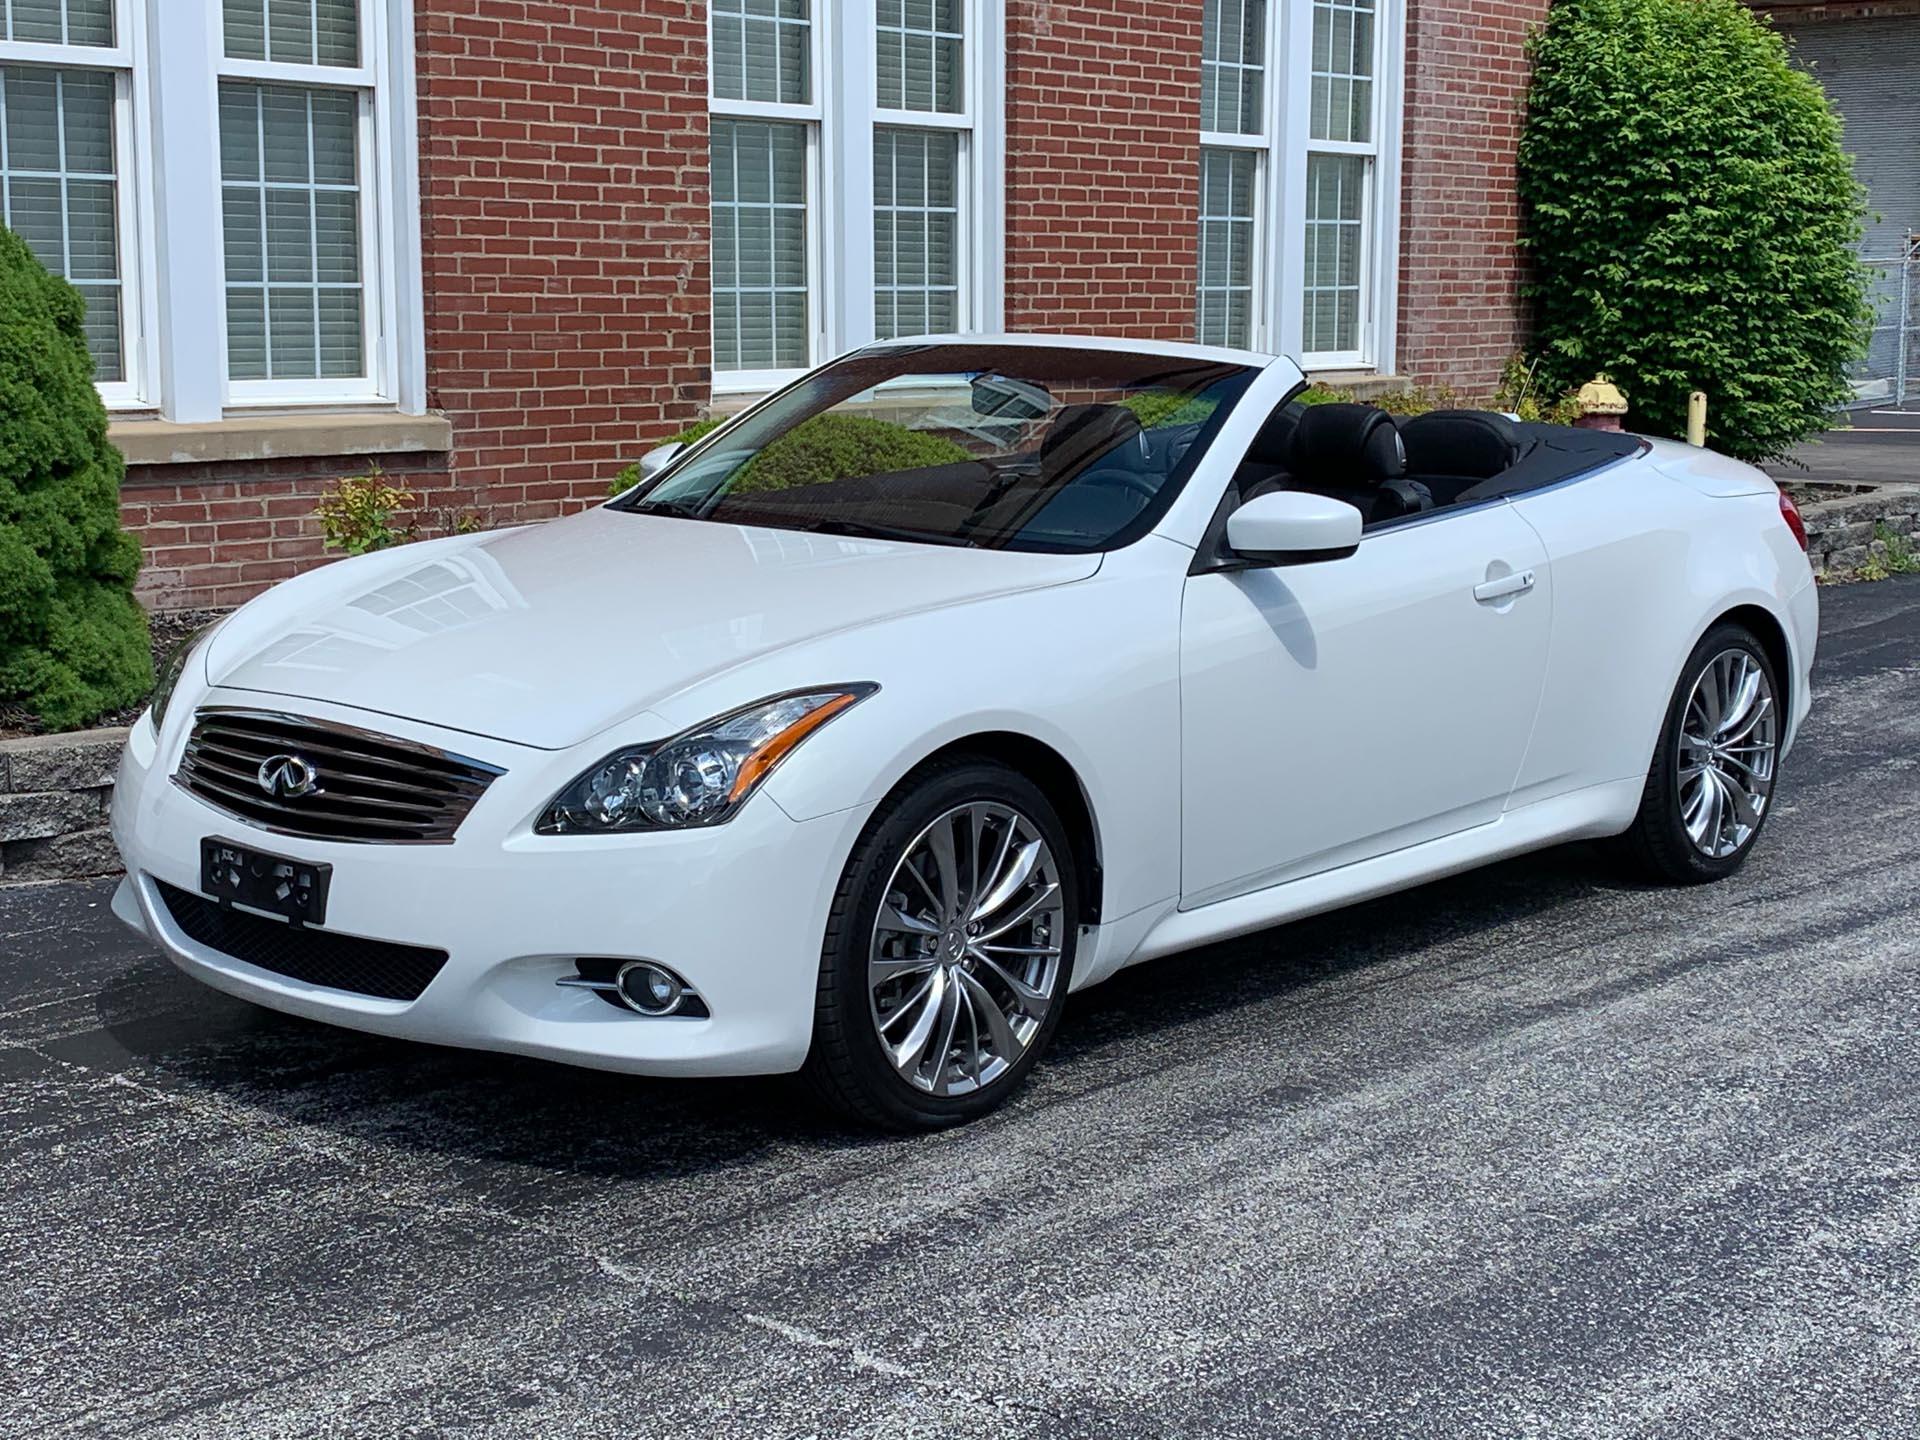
(1531, 1152)
(1871, 447)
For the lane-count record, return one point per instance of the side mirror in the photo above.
(658, 458)
(1292, 527)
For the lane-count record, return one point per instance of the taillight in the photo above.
(1790, 513)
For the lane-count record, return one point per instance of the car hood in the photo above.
(549, 634)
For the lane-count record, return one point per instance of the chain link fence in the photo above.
(1889, 375)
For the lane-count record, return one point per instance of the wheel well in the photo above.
(1050, 770)
(1773, 639)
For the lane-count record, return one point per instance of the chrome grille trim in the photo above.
(375, 789)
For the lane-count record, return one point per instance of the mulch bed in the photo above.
(169, 628)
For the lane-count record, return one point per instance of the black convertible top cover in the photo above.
(1552, 453)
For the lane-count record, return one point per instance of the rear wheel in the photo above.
(948, 951)
(1711, 782)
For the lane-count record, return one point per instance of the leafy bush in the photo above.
(843, 447)
(357, 514)
(1692, 218)
(1157, 408)
(1414, 400)
(73, 642)
(1521, 393)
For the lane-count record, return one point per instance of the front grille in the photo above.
(371, 787)
(380, 968)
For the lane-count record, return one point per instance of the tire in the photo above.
(962, 1072)
(1660, 845)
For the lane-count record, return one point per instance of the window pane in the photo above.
(1227, 219)
(759, 50)
(1341, 105)
(58, 190)
(920, 49)
(759, 271)
(1336, 245)
(293, 32)
(916, 230)
(289, 162)
(1233, 45)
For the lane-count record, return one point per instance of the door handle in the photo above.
(1517, 583)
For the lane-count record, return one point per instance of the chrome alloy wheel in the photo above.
(1729, 739)
(965, 960)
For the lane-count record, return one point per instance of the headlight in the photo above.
(699, 777)
(174, 666)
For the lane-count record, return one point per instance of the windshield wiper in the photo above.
(855, 529)
(685, 509)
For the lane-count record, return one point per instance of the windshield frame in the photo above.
(1237, 375)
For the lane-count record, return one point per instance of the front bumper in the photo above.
(737, 909)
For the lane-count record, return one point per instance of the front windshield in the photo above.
(1014, 447)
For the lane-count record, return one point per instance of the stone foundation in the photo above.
(1847, 524)
(55, 791)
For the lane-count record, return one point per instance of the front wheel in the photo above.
(948, 951)
(1711, 782)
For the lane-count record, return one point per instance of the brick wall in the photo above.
(1460, 316)
(565, 233)
(563, 157)
(1103, 165)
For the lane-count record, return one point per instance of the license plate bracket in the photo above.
(295, 890)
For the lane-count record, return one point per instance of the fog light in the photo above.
(649, 989)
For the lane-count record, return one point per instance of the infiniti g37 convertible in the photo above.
(946, 681)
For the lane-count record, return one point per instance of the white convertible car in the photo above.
(947, 680)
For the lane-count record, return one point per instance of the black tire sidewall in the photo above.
(855, 1051)
(1672, 847)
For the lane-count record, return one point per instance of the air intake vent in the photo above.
(313, 778)
(319, 957)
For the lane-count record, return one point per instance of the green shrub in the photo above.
(1692, 220)
(358, 513)
(843, 447)
(1157, 408)
(1521, 394)
(73, 642)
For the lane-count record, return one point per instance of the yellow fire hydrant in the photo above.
(1601, 405)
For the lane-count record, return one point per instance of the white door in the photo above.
(1343, 709)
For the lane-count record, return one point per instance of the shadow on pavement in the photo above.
(489, 1108)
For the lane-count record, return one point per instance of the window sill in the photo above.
(1365, 384)
(278, 437)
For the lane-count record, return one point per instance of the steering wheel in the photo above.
(1123, 480)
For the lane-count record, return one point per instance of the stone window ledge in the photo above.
(1365, 384)
(278, 437)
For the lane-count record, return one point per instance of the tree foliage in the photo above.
(1693, 220)
(73, 642)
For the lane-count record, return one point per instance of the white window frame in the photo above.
(170, 55)
(1281, 189)
(132, 219)
(378, 260)
(811, 115)
(841, 117)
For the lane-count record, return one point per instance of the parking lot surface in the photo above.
(1534, 1151)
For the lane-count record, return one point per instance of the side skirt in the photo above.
(1589, 814)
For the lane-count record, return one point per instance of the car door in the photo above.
(1341, 709)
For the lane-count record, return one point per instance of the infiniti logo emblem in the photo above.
(289, 777)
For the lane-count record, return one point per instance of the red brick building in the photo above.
(502, 247)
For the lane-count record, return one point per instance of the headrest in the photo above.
(1351, 447)
(1475, 443)
(1273, 442)
(1080, 434)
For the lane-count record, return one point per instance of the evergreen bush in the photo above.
(1693, 220)
(73, 642)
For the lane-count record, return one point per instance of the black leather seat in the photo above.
(1354, 453)
(1450, 451)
